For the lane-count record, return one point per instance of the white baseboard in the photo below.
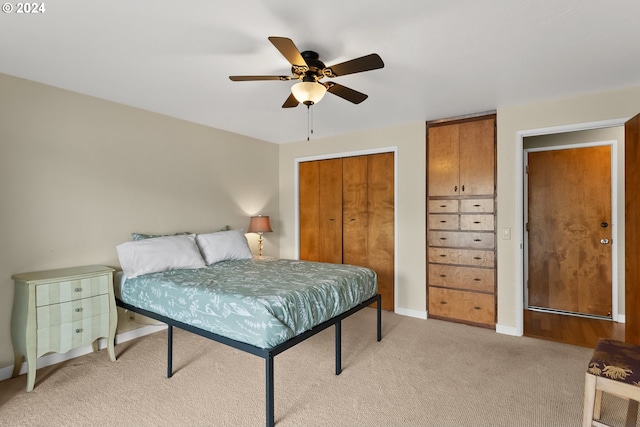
(621, 318)
(53, 358)
(411, 313)
(507, 330)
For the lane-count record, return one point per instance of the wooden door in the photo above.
(632, 230)
(444, 155)
(321, 210)
(381, 199)
(477, 157)
(569, 230)
(355, 226)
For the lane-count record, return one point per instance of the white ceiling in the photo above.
(442, 58)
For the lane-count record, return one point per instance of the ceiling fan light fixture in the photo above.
(308, 93)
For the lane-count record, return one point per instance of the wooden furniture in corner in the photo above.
(58, 310)
(461, 260)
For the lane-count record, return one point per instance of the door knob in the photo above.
(604, 241)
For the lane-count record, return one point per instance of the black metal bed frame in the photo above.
(266, 353)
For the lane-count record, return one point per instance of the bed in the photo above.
(211, 285)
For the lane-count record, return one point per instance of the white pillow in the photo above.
(159, 254)
(224, 246)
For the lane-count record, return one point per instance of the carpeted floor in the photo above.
(422, 373)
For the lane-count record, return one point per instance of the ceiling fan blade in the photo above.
(290, 102)
(345, 92)
(254, 78)
(358, 65)
(289, 50)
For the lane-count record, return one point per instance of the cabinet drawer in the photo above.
(56, 314)
(476, 205)
(53, 293)
(455, 239)
(473, 258)
(62, 338)
(443, 222)
(443, 206)
(462, 305)
(474, 279)
(477, 222)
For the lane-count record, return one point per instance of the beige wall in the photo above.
(78, 174)
(411, 237)
(598, 107)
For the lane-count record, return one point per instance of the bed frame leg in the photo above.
(338, 347)
(379, 317)
(269, 391)
(169, 351)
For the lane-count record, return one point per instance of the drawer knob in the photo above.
(77, 290)
(79, 330)
(476, 308)
(78, 310)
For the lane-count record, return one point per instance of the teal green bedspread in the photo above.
(261, 301)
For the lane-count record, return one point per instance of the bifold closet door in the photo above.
(321, 210)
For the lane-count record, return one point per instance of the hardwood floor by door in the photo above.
(580, 331)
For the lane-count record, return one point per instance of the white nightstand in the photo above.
(58, 310)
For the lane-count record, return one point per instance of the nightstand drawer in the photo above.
(53, 293)
(62, 338)
(66, 312)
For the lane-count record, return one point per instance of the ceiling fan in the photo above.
(309, 69)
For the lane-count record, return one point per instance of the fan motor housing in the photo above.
(314, 70)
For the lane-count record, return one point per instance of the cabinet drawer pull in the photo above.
(477, 308)
(443, 302)
(477, 257)
(477, 240)
(477, 280)
(455, 188)
(443, 221)
(443, 206)
(476, 222)
(463, 188)
(443, 238)
(78, 310)
(442, 255)
(443, 275)
(77, 290)
(79, 330)
(476, 206)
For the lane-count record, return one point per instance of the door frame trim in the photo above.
(615, 236)
(519, 231)
(296, 201)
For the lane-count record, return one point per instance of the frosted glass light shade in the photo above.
(308, 92)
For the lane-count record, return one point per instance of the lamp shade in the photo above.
(259, 224)
(308, 92)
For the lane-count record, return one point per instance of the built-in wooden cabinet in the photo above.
(461, 237)
(347, 215)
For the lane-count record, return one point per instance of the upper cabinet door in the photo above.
(461, 158)
(444, 153)
(477, 157)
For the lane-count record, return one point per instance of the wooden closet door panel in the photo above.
(354, 211)
(381, 223)
(330, 211)
(309, 197)
(477, 157)
(443, 159)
